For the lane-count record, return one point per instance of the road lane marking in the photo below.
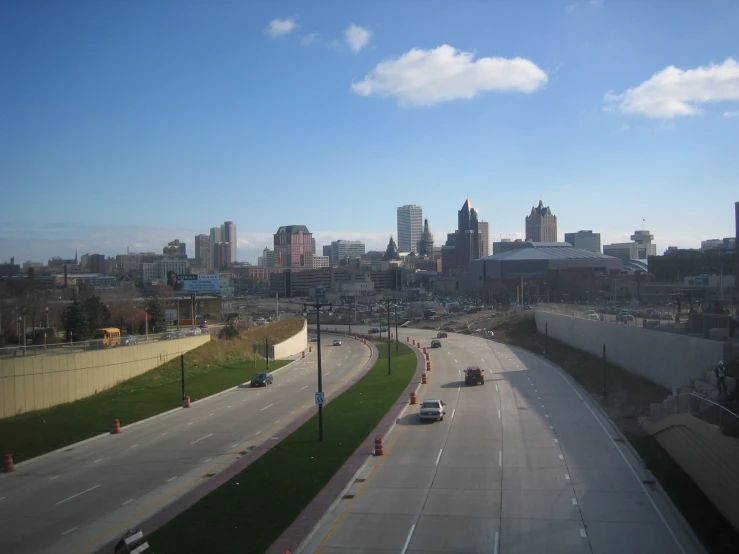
(500, 458)
(266, 407)
(166, 432)
(583, 534)
(408, 539)
(305, 387)
(98, 460)
(438, 457)
(234, 445)
(55, 477)
(208, 460)
(191, 423)
(134, 446)
(212, 413)
(498, 413)
(76, 495)
(567, 476)
(556, 440)
(68, 531)
(454, 410)
(127, 501)
(574, 501)
(497, 543)
(171, 479)
(258, 432)
(229, 406)
(325, 374)
(496, 388)
(201, 438)
(561, 457)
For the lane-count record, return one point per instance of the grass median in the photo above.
(249, 512)
(211, 368)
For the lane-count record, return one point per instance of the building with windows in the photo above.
(465, 244)
(426, 242)
(267, 259)
(410, 227)
(97, 264)
(640, 249)
(585, 240)
(541, 224)
(345, 249)
(320, 261)
(728, 243)
(202, 251)
(484, 228)
(228, 233)
(175, 249)
(222, 255)
(293, 246)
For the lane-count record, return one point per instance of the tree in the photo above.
(229, 332)
(76, 326)
(157, 318)
(98, 314)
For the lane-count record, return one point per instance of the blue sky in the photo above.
(135, 123)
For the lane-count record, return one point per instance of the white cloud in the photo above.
(426, 77)
(731, 114)
(280, 27)
(357, 37)
(309, 39)
(673, 91)
(624, 127)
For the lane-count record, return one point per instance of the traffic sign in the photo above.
(320, 398)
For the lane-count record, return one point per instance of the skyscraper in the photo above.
(229, 236)
(541, 224)
(202, 250)
(484, 228)
(410, 227)
(426, 242)
(222, 255)
(345, 249)
(586, 240)
(465, 244)
(293, 246)
(216, 236)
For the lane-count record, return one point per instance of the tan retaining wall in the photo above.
(34, 383)
(294, 345)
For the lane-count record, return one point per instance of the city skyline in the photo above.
(578, 104)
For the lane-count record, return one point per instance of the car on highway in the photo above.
(128, 340)
(178, 335)
(432, 410)
(383, 328)
(624, 316)
(262, 380)
(374, 330)
(194, 332)
(473, 376)
(169, 335)
(337, 342)
(435, 343)
(592, 315)
(441, 335)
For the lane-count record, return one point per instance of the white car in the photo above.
(592, 315)
(337, 342)
(432, 409)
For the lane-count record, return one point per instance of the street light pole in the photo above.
(317, 306)
(389, 366)
(397, 338)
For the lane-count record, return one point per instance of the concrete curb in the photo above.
(30, 461)
(197, 492)
(301, 531)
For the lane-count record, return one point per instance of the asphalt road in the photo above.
(526, 463)
(73, 501)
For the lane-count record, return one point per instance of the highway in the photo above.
(74, 501)
(526, 463)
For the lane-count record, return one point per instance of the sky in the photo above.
(128, 124)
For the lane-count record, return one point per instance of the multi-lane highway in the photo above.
(76, 500)
(525, 463)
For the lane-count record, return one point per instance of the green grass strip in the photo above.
(267, 496)
(211, 368)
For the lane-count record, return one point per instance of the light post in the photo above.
(46, 329)
(146, 325)
(397, 338)
(387, 309)
(317, 306)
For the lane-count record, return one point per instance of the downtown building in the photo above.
(465, 244)
(640, 248)
(293, 247)
(343, 250)
(202, 251)
(585, 240)
(410, 227)
(541, 224)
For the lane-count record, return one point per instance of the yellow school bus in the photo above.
(109, 336)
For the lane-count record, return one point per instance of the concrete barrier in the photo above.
(667, 359)
(35, 383)
(289, 347)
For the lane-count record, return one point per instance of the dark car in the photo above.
(435, 343)
(261, 380)
(128, 340)
(474, 375)
(441, 335)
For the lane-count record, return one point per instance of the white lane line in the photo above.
(98, 460)
(497, 543)
(171, 479)
(78, 494)
(539, 397)
(455, 359)
(244, 400)
(212, 413)
(583, 534)
(127, 501)
(3, 497)
(567, 476)
(201, 438)
(276, 422)
(229, 406)
(498, 413)
(266, 407)
(454, 410)
(55, 477)
(556, 440)
(191, 423)
(68, 531)
(496, 388)
(208, 460)
(408, 539)
(500, 457)
(134, 445)
(258, 432)
(305, 387)
(561, 457)
(551, 427)
(438, 457)
(165, 433)
(325, 374)
(574, 501)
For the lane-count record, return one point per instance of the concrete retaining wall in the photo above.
(294, 345)
(666, 359)
(34, 383)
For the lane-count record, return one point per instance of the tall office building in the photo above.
(465, 244)
(585, 240)
(293, 246)
(176, 249)
(202, 250)
(229, 236)
(345, 249)
(222, 255)
(484, 228)
(267, 259)
(410, 227)
(216, 236)
(541, 224)
(640, 249)
(426, 242)
(313, 243)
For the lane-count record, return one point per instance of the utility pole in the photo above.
(319, 395)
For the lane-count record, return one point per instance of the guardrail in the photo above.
(707, 410)
(62, 348)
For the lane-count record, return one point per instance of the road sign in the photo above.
(320, 398)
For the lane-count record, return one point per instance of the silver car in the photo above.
(432, 410)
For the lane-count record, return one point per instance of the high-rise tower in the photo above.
(410, 227)
(541, 224)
